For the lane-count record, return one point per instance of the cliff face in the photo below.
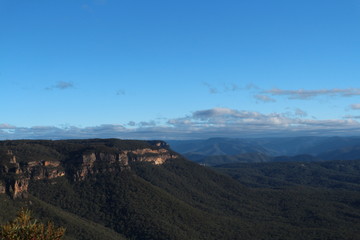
(16, 175)
(74, 160)
(92, 163)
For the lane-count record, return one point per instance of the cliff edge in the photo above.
(23, 161)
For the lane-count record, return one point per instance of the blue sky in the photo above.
(179, 69)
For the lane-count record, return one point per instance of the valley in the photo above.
(127, 189)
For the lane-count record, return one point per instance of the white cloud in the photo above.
(309, 94)
(64, 85)
(61, 86)
(264, 98)
(223, 113)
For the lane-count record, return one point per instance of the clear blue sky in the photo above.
(179, 69)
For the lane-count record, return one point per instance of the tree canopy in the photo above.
(23, 227)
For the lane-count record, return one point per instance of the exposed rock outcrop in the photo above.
(19, 187)
(93, 163)
(158, 156)
(18, 175)
(73, 160)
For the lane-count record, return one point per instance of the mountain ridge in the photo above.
(207, 151)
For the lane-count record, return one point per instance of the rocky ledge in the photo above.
(24, 161)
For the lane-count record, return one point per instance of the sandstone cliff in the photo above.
(22, 162)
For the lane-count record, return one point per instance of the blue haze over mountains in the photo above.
(216, 151)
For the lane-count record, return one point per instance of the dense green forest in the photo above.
(180, 199)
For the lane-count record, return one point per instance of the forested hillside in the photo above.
(135, 196)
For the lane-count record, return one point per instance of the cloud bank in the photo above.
(215, 122)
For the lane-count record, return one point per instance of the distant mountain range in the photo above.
(215, 151)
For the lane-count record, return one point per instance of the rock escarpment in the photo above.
(100, 162)
(22, 162)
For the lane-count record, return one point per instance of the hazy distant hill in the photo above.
(252, 158)
(224, 159)
(224, 150)
(217, 146)
(345, 153)
(114, 189)
(270, 146)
